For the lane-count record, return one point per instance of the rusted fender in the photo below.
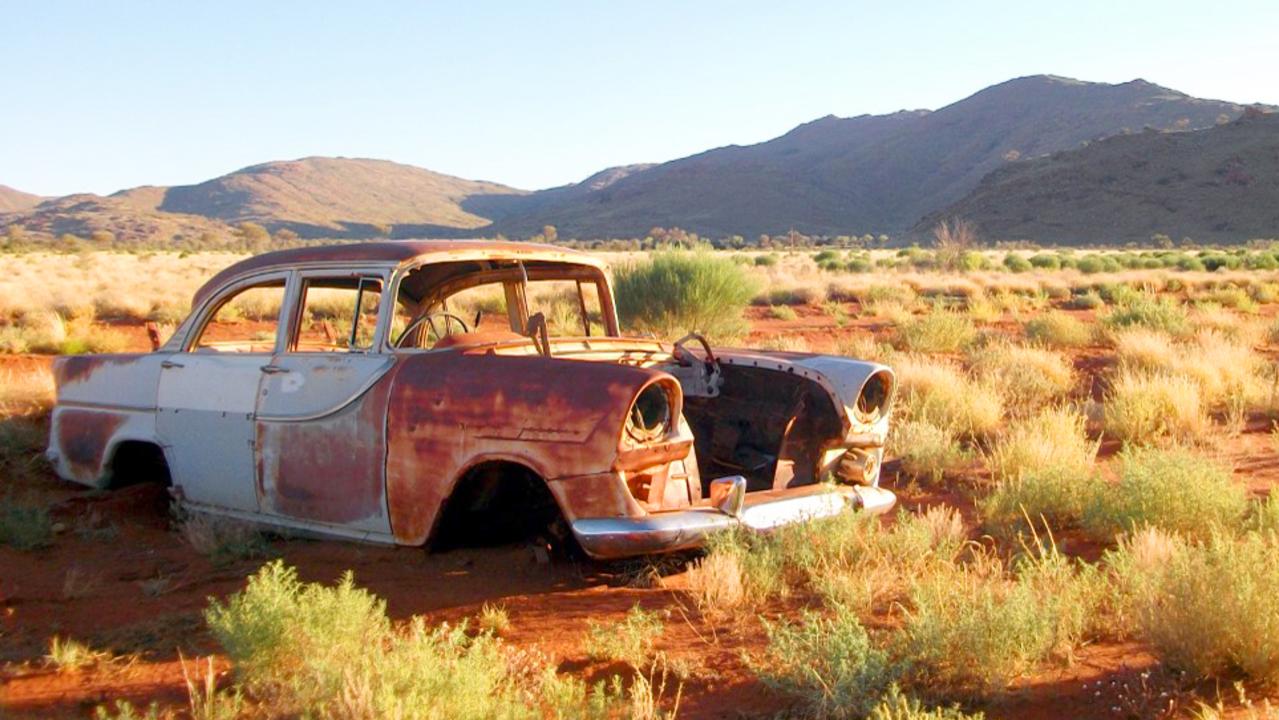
(560, 418)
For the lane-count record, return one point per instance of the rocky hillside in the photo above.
(1215, 185)
(870, 173)
(14, 200)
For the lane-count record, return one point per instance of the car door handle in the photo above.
(274, 369)
(171, 364)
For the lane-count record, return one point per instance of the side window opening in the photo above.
(338, 314)
(246, 322)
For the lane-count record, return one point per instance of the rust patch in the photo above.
(327, 470)
(558, 417)
(82, 439)
(69, 369)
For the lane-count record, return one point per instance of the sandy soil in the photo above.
(119, 576)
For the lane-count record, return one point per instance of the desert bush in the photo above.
(629, 641)
(1016, 263)
(1147, 407)
(24, 526)
(222, 540)
(1052, 496)
(974, 629)
(897, 706)
(1231, 297)
(938, 393)
(768, 260)
(831, 664)
(675, 292)
(1227, 373)
(1090, 300)
(1028, 377)
(1058, 329)
(331, 652)
(926, 451)
(811, 294)
(782, 312)
(1208, 607)
(940, 331)
(1172, 489)
(1150, 311)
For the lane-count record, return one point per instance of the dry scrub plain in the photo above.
(1084, 458)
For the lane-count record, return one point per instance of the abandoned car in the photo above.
(411, 391)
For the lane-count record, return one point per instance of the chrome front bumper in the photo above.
(659, 532)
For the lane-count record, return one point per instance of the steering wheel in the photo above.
(429, 318)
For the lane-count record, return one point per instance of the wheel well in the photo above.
(498, 503)
(138, 461)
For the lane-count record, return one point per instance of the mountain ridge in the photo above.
(828, 176)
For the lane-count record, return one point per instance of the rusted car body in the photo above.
(395, 429)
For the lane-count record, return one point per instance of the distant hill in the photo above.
(1215, 185)
(831, 176)
(14, 200)
(127, 216)
(873, 173)
(337, 197)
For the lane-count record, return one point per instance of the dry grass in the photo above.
(1028, 377)
(1150, 407)
(939, 393)
(1059, 329)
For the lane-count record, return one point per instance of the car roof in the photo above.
(398, 252)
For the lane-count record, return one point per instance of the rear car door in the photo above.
(208, 393)
(321, 412)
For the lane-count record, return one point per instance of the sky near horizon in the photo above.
(102, 96)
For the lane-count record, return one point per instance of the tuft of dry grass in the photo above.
(1028, 377)
(937, 392)
(940, 331)
(1054, 439)
(927, 451)
(1149, 407)
(1059, 330)
(716, 584)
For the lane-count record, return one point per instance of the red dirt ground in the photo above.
(92, 584)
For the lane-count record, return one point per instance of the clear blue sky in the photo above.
(99, 96)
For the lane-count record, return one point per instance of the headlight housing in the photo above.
(649, 418)
(874, 399)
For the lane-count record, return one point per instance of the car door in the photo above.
(208, 393)
(321, 413)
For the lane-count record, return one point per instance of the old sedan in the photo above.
(415, 392)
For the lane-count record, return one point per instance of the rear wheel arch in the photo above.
(131, 461)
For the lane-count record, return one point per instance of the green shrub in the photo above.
(831, 664)
(1090, 264)
(1157, 313)
(23, 526)
(321, 651)
(1173, 489)
(675, 292)
(629, 641)
(1209, 608)
(1053, 496)
(970, 260)
(782, 312)
(1016, 263)
(1058, 329)
(972, 630)
(1045, 261)
(926, 451)
(896, 706)
(1090, 300)
(768, 260)
(937, 332)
